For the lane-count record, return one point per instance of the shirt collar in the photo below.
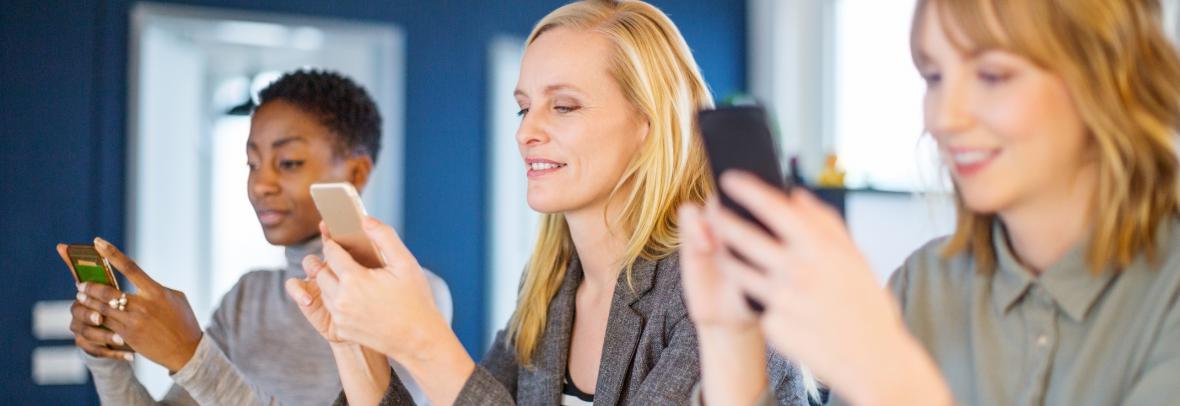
(296, 253)
(1069, 282)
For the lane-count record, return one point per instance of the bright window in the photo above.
(877, 98)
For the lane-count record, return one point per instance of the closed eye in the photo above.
(290, 164)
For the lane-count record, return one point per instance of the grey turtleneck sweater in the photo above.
(257, 350)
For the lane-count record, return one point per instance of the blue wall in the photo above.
(63, 92)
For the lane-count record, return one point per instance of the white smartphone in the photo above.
(342, 210)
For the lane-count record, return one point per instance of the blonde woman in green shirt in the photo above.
(1060, 284)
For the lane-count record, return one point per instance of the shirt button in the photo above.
(1042, 340)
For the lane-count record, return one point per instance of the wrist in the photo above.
(726, 333)
(184, 354)
(880, 384)
(733, 365)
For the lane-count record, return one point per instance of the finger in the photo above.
(109, 314)
(63, 251)
(393, 250)
(313, 265)
(338, 261)
(98, 291)
(748, 240)
(300, 291)
(324, 234)
(769, 205)
(694, 231)
(102, 351)
(83, 314)
(326, 280)
(821, 214)
(100, 336)
(750, 280)
(126, 266)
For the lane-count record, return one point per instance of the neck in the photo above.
(1042, 229)
(296, 252)
(599, 246)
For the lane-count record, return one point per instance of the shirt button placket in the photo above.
(1043, 319)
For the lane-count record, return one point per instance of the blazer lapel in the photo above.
(552, 356)
(623, 330)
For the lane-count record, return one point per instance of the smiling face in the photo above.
(287, 151)
(578, 132)
(1006, 128)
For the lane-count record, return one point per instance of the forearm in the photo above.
(733, 365)
(116, 383)
(875, 381)
(211, 379)
(441, 366)
(364, 373)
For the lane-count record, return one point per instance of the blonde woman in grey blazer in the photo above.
(608, 91)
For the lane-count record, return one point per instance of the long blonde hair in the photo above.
(1124, 77)
(659, 77)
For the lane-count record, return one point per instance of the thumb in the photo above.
(302, 292)
(126, 266)
(388, 244)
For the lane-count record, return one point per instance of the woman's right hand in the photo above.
(310, 298)
(714, 301)
(307, 294)
(88, 335)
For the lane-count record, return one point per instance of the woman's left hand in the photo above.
(389, 309)
(824, 307)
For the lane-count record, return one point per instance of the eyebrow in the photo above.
(278, 143)
(550, 89)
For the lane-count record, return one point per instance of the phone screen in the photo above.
(88, 265)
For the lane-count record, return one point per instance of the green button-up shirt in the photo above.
(1065, 337)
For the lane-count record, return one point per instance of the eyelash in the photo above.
(993, 78)
(932, 79)
(290, 164)
(560, 109)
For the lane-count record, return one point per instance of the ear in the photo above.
(644, 130)
(359, 169)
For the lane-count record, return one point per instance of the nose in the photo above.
(263, 182)
(532, 129)
(948, 108)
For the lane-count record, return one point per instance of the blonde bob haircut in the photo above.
(659, 77)
(1123, 74)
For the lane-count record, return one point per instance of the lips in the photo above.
(538, 167)
(969, 161)
(270, 218)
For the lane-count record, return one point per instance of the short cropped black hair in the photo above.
(339, 103)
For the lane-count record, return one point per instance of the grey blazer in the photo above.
(649, 357)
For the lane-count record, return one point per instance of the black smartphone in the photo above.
(739, 138)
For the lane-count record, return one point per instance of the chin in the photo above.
(983, 202)
(276, 237)
(546, 204)
(286, 237)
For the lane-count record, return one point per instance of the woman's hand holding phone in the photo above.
(388, 309)
(824, 307)
(157, 322)
(380, 308)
